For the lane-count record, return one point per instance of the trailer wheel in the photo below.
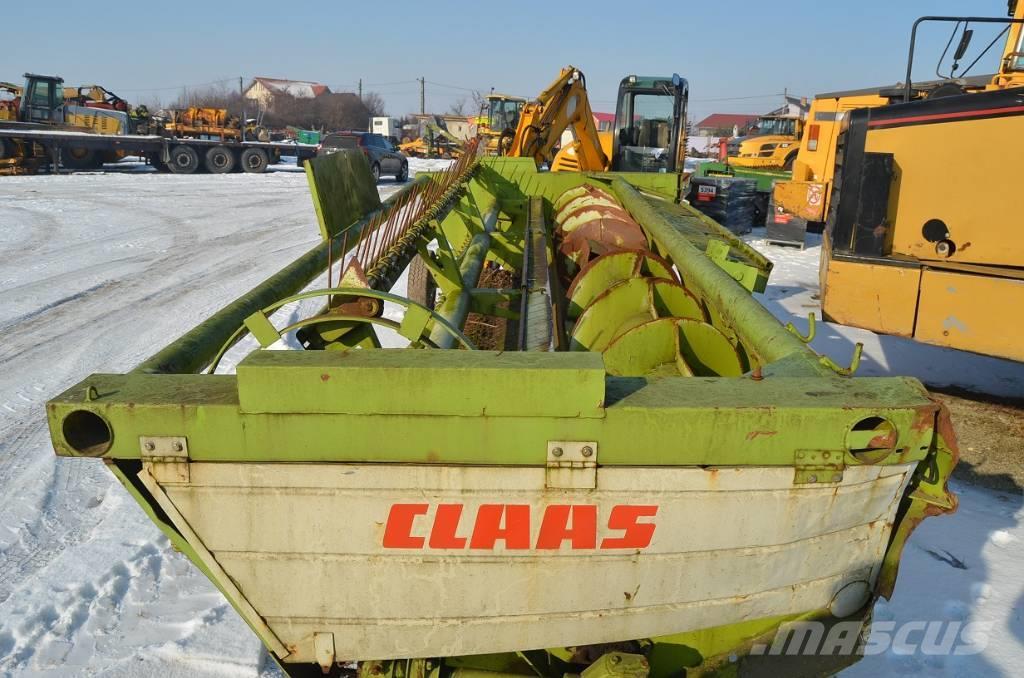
(254, 160)
(78, 158)
(183, 160)
(220, 160)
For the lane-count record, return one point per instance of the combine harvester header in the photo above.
(635, 470)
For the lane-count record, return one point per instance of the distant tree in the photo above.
(374, 104)
(458, 107)
(479, 103)
(216, 96)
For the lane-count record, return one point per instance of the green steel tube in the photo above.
(455, 306)
(757, 328)
(194, 350)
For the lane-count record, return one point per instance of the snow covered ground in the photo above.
(98, 270)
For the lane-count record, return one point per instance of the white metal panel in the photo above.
(305, 545)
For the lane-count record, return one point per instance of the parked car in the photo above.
(384, 158)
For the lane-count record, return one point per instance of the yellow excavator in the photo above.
(923, 229)
(649, 133)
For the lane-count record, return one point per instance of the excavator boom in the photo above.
(563, 105)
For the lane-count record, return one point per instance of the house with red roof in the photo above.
(263, 89)
(723, 124)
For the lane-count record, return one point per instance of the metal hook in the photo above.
(858, 348)
(810, 329)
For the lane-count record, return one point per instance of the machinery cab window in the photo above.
(647, 121)
(777, 126)
(504, 114)
(43, 98)
(1017, 58)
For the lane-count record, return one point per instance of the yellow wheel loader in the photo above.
(774, 146)
(923, 229)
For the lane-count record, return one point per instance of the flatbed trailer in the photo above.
(174, 154)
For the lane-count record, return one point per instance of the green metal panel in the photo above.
(666, 421)
(414, 382)
(342, 188)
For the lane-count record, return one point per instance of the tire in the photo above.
(421, 287)
(788, 165)
(183, 160)
(403, 173)
(254, 160)
(375, 172)
(220, 160)
(78, 158)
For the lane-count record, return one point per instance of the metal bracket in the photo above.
(818, 467)
(571, 465)
(166, 456)
(323, 650)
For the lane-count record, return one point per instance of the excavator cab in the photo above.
(42, 99)
(650, 117)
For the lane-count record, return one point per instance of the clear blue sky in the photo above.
(725, 49)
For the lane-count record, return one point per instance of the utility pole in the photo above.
(423, 98)
(360, 89)
(241, 93)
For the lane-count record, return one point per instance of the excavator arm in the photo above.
(563, 105)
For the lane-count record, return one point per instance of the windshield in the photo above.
(504, 114)
(646, 129)
(782, 126)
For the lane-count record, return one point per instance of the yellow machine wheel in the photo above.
(76, 157)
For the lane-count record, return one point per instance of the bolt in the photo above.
(799, 455)
(587, 451)
(836, 478)
(826, 455)
(150, 446)
(812, 479)
(615, 659)
(556, 452)
(176, 446)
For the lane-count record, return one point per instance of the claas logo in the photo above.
(510, 525)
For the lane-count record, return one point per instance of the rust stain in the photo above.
(883, 441)
(757, 434)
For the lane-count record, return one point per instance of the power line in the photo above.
(175, 87)
(755, 96)
(465, 89)
(388, 84)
